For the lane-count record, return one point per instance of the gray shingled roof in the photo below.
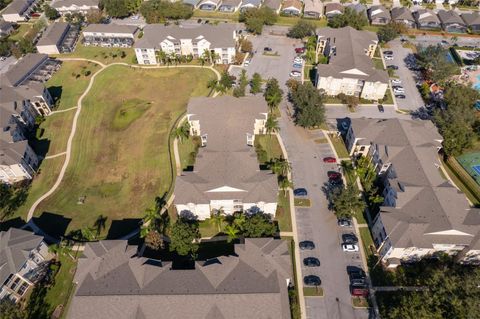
(12, 153)
(67, 3)
(350, 54)
(111, 28)
(25, 66)
(471, 18)
(112, 281)
(402, 13)
(220, 36)
(5, 26)
(377, 12)
(449, 17)
(333, 6)
(425, 16)
(426, 203)
(15, 247)
(54, 34)
(17, 6)
(272, 4)
(226, 160)
(313, 6)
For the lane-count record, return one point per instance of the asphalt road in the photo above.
(413, 98)
(318, 224)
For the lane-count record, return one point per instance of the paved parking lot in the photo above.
(4, 65)
(267, 66)
(413, 98)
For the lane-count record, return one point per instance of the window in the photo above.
(22, 289)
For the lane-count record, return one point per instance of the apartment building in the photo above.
(24, 259)
(18, 10)
(194, 41)
(350, 69)
(109, 35)
(60, 37)
(422, 214)
(74, 6)
(226, 173)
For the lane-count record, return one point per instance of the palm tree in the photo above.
(216, 218)
(281, 166)
(214, 57)
(273, 100)
(239, 221)
(212, 84)
(207, 55)
(284, 183)
(162, 57)
(271, 127)
(182, 132)
(88, 233)
(232, 233)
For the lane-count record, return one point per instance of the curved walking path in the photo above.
(55, 155)
(68, 152)
(61, 111)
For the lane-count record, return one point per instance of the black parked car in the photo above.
(311, 262)
(392, 67)
(344, 222)
(312, 280)
(300, 192)
(400, 96)
(355, 271)
(306, 245)
(268, 49)
(349, 238)
(380, 108)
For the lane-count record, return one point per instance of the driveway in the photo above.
(413, 98)
(318, 224)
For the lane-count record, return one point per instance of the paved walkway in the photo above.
(68, 152)
(61, 111)
(56, 155)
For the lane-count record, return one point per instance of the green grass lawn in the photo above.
(282, 215)
(313, 291)
(319, 23)
(200, 14)
(367, 240)
(463, 181)
(269, 143)
(388, 99)
(52, 135)
(70, 82)
(360, 302)
(378, 63)
(302, 202)
(61, 291)
(104, 55)
(21, 31)
(120, 180)
(208, 228)
(339, 146)
(187, 150)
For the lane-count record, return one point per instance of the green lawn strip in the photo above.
(339, 146)
(282, 215)
(200, 14)
(68, 83)
(269, 144)
(104, 55)
(293, 292)
(302, 202)
(463, 181)
(313, 291)
(360, 302)
(128, 175)
(388, 99)
(367, 240)
(187, 150)
(378, 63)
(208, 228)
(63, 287)
(52, 135)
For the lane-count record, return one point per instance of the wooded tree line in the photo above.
(154, 11)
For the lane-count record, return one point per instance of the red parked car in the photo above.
(329, 160)
(359, 292)
(334, 175)
(299, 50)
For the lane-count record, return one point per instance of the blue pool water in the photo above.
(477, 83)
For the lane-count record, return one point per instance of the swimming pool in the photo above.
(476, 85)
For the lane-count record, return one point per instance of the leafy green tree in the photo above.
(256, 18)
(184, 236)
(216, 218)
(154, 240)
(120, 8)
(433, 59)
(239, 220)
(226, 81)
(246, 45)
(347, 202)
(301, 30)
(259, 225)
(10, 310)
(284, 183)
(159, 11)
(281, 166)
(456, 122)
(387, 33)
(271, 125)
(94, 16)
(50, 13)
(256, 84)
(242, 85)
(308, 104)
(273, 93)
(350, 18)
(182, 132)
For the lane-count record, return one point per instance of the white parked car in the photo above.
(396, 81)
(247, 63)
(295, 74)
(388, 57)
(398, 89)
(298, 60)
(350, 248)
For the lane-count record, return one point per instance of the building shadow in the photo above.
(120, 228)
(52, 224)
(56, 93)
(14, 222)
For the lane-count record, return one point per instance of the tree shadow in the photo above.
(52, 224)
(120, 228)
